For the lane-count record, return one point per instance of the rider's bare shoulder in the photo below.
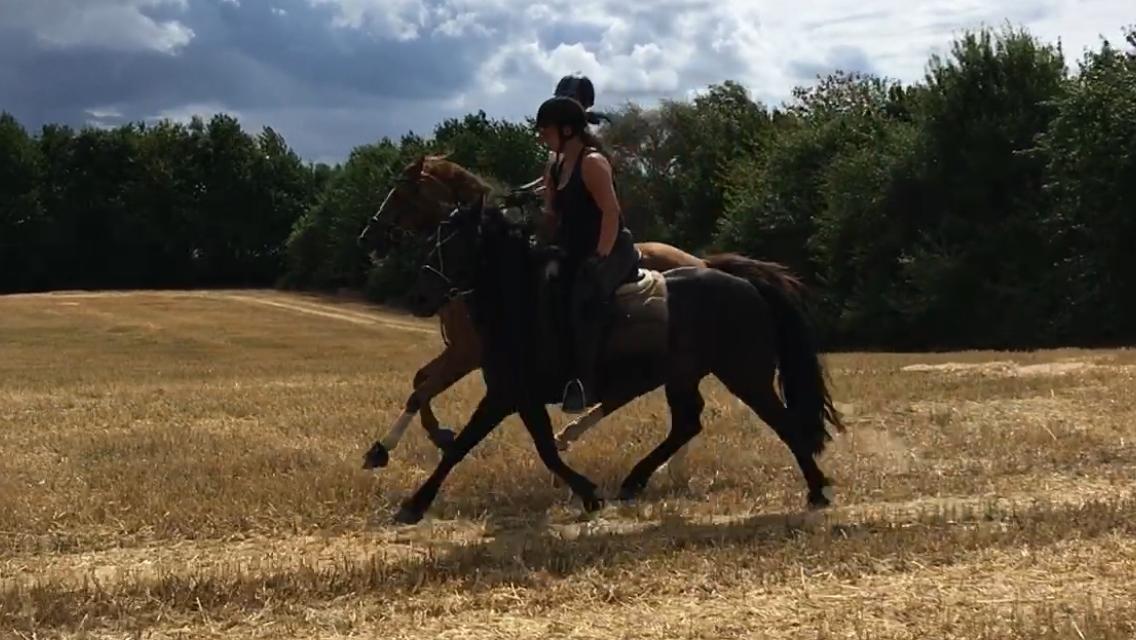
(596, 162)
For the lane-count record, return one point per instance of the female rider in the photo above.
(580, 87)
(589, 226)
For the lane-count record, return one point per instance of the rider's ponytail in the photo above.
(592, 140)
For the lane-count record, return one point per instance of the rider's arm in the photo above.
(596, 172)
(549, 218)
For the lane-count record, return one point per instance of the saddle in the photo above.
(639, 317)
(637, 323)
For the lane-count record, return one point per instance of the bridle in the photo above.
(453, 201)
(439, 272)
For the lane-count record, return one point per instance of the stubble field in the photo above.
(188, 465)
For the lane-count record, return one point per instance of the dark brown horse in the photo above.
(734, 323)
(423, 195)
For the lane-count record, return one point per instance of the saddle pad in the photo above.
(644, 299)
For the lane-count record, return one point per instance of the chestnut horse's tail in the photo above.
(803, 381)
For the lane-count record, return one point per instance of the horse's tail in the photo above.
(803, 380)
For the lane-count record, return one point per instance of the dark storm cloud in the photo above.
(250, 58)
(333, 74)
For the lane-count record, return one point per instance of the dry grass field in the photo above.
(187, 465)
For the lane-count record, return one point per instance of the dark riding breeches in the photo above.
(593, 287)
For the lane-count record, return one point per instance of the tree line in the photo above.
(989, 205)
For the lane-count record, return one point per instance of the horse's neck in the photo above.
(522, 318)
(505, 290)
(465, 185)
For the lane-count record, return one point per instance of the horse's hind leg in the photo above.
(676, 466)
(578, 427)
(615, 399)
(686, 405)
(757, 392)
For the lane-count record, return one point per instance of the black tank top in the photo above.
(580, 217)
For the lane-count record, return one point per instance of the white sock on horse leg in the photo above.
(397, 430)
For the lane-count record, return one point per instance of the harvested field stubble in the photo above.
(187, 465)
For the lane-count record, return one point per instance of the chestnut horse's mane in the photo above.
(468, 184)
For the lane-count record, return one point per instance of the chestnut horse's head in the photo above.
(424, 193)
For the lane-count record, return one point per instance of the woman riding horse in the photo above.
(580, 87)
(588, 225)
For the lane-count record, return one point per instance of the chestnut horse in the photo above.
(427, 190)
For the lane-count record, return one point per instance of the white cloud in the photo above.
(380, 67)
(646, 49)
(104, 113)
(185, 113)
(103, 117)
(397, 19)
(110, 24)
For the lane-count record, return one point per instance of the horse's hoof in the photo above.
(406, 515)
(593, 504)
(443, 438)
(377, 457)
(821, 499)
(629, 493)
(563, 445)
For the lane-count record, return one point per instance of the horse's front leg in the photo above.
(452, 365)
(435, 377)
(536, 420)
(489, 413)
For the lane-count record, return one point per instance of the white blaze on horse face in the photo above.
(397, 430)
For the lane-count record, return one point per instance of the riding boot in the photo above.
(594, 284)
(582, 392)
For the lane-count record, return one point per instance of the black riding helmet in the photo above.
(560, 111)
(580, 87)
(577, 86)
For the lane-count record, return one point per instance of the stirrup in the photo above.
(574, 400)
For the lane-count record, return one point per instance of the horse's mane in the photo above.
(469, 185)
(504, 290)
(509, 238)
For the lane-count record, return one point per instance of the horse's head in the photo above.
(422, 195)
(462, 243)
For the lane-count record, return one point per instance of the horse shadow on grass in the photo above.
(800, 543)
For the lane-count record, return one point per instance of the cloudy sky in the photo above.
(332, 74)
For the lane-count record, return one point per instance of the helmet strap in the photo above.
(560, 151)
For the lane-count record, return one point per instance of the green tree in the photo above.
(1090, 150)
(22, 221)
(780, 196)
(672, 161)
(978, 273)
(322, 249)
